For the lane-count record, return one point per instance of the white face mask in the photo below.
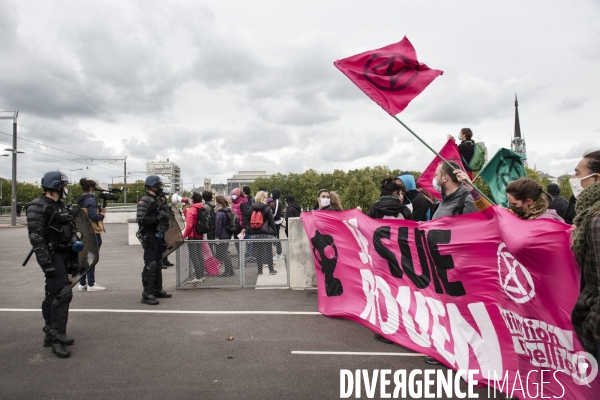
(65, 193)
(324, 201)
(436, 186)
(576, 185)
(233, 197)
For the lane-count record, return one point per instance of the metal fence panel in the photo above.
(257, 263)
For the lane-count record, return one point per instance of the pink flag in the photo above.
(484, 292)
(450, 153)
(391, 76)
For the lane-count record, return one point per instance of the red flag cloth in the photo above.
(391, 76)
(450, 153)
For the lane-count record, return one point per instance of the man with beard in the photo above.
(456, 199)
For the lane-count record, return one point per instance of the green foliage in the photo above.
(358, 187)
(25, 192)
(565, 187)
(535, 175)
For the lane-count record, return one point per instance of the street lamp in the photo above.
(13, 215)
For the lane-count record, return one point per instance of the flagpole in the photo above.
(439, 155)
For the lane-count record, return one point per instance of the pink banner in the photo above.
(450, 153)
(483, 291)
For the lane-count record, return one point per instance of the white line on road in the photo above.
(359, 353)
(172, 311)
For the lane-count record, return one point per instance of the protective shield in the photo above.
(173, 236)
(89, 256)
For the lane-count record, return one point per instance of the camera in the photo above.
(106, 195)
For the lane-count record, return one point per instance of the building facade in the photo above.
(168, 171)
(243, 178)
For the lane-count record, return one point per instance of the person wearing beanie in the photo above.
(559, 203)
(414, 200)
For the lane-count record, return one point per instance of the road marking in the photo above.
(359, 353)
(98, 310)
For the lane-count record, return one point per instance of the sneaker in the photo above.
(251, 259)
(272, 272)
(278, 257)
(82, 288)
(95, 288)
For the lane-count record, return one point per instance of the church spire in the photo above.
(517, 124)
(518, 142)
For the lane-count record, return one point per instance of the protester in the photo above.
(586, 246)
(559, 203)
(87, 202)
(248, 194)
(390, 204)
(263, 251)
(336, 202)
(292, 210)
(466, 148)
(278, 220)
(415, 201)
(456, 199)
(527, 200)
(209, 210)
(570, 213)
(239, 204)
(324, 200)
(221, 233)
(195, 250)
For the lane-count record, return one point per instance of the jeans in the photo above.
(263, 251)
(196, 258)
(91, 274)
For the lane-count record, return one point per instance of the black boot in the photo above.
(48, 337)
(59, 347)
(149, 299)
(158, 288)
(166, 263)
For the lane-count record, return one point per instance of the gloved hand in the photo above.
(163, 217)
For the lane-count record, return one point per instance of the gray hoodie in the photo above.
(449, 204)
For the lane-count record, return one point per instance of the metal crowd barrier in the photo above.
(253, 263)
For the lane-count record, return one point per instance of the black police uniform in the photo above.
(151, 219)
(53, 254)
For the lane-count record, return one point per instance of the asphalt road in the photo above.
(129, 351)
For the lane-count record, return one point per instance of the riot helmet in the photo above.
(154, 181)
(54, 180)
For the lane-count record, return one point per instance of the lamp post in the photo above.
(13, 200)
(1, 212)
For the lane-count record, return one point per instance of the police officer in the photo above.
(49, 229)
(153, 221)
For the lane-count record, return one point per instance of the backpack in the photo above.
(211, 218)
(233, 223)
(256, 220)
(202, 224)
(478, 160)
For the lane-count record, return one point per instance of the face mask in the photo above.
(65, 193)
(233, 197)
(436, 186)
(324, 202)
(576, 185)
(519, 212)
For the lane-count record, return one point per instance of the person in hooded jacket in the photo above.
(189, 233)
(559, 203)
(415, 201)
(221, 222)
(278, 220)
(292, 210)
(239, 204)
(262, 251)
(570, 212)
(390, 203)
(87, 202)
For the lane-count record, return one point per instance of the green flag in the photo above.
(505, 167)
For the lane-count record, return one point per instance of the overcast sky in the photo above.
(225, 86)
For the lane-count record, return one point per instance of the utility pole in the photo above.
(13, 199)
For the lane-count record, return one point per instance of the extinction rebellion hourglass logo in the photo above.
(514, 277)
(391, 72)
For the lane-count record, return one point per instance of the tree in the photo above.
(360, 191)
(565, 186)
